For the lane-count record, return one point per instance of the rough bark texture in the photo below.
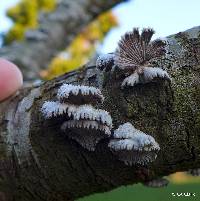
(38, 162)
(55, 32)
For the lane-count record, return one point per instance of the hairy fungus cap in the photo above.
(52, 109)
(134, 53)
(88, 126)
(135, 49)
(131, 80)
(83, 122)
(86, 132)
(78, 94)
(87, 112)
(124, 131)
(150, 73)
(133, 146)
(105, 62)
(157, 183)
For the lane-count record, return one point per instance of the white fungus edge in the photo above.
(131, 80)
(104, 60)
(66, 89)
(90, 113)
(86, 124)
(152, 72)
(52, 109)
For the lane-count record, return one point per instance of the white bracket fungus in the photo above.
(90, 125)
(134, 53)
(81, 122)
(87, 124)
(150, 73)
(157, 183)
(89, 113)
(132, 146)
(52, 109)
(131, 80)
(86, 132)
(78, 94)
(105, 62)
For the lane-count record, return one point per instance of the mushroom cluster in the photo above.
(75, 105)
(132, 146)
(133, 55)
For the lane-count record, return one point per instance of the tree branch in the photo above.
(38, 161)
(55, 32)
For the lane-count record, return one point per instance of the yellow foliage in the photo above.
(17, 31)
(13, 12)
(59, 64)
(83, 46)
(46, 5)
(25, 15)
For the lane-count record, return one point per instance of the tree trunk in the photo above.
(55, 32)
(38, 162)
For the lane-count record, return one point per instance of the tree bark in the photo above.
(56, 31)
(38, 162)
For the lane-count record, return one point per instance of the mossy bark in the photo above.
(38, 161)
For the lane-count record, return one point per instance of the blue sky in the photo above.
(5, 23)
(165, 16)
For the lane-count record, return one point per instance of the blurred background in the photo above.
(101, 36)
